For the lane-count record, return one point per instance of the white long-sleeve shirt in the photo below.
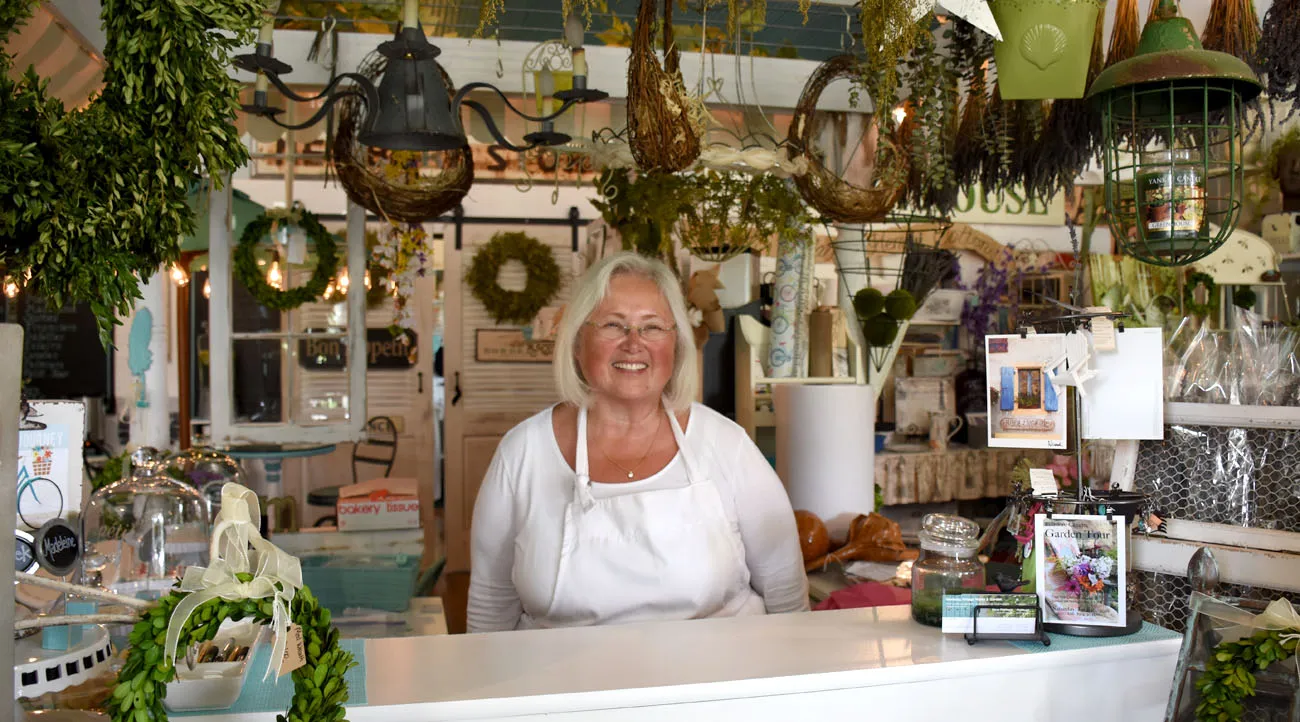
(529, 483)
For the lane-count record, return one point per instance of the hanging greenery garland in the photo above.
(247, 272)
(96, 197)
(514, 306)
(1190, 305)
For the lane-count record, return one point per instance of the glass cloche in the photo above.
(142, 531)
(207, 470)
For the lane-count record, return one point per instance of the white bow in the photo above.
(269, 572)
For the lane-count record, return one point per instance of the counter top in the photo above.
(792, 666)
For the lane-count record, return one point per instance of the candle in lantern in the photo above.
(545, 89)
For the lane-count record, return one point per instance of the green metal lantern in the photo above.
(1172, 117)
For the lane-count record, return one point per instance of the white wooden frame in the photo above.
(224, 428)
(1254, 557)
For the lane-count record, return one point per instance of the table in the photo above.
(272, 457)
(812, 666)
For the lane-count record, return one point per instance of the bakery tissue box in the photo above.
(379, 504)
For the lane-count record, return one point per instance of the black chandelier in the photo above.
(411, 109)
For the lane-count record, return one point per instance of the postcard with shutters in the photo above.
(1026, 409)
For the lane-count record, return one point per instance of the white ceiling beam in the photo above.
(778, 85)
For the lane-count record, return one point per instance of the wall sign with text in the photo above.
(509, 345)
(383, 351)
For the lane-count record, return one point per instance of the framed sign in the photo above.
(50, 436)
(383, 351)
(509, 345)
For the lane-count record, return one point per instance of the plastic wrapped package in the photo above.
(1223, 475)
(1254, 364)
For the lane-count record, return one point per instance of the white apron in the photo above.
(663, 554)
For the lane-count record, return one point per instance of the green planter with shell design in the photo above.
(1046, 46)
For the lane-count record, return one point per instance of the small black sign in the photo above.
(24, 552)
(383, 351)
(58, 547)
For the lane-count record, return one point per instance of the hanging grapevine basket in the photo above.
(393, 187)
(1045, 48)
(832, 196)
(663, 134)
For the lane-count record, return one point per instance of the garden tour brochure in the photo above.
(1081, 569)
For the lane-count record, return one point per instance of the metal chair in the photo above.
(381, 433)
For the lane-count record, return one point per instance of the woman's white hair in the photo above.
(591, 290)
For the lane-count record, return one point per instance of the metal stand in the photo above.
(1038, 635)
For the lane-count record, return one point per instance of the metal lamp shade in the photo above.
(1171, 121)
(414, 110)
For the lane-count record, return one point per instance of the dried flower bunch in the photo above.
(1279, 52)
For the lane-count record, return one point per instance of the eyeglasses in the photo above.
(615, 331)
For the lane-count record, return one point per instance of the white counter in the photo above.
(852, 664)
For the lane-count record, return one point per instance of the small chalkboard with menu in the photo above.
(62, 355)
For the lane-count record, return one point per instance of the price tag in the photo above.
(1103, 330)
(295, 654)
(57, 547)
(1042, 481)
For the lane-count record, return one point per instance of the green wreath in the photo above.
(1200, 280)
(247, 272)
(514, 306)
(1229, 676)
(319, 689)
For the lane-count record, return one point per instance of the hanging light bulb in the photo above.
(329, 290)
(900, 114)
(179, 276)
(343, 281)
(207, 288)
(11, 288)
(274, 278)
(367, 279)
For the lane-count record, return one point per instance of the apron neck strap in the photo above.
(582, 466)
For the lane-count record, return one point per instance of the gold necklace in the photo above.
(631, 473)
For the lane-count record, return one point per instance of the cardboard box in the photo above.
(379, 504)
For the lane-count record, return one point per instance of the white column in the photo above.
(151, 422)
(357, 318)
(219, 310)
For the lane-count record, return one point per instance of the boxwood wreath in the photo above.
(1229, 676)
(1211, 304)
(514, 306)
(97, 197)
(319, 690)
(247, 272)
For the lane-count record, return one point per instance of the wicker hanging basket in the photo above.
(832, 196)
(662, 135)
(375, 183)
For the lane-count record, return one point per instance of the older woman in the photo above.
(627, 502)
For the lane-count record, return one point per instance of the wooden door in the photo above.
(486, 399)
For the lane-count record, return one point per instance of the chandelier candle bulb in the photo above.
(573, 37)
(411, 14)
(546, 89)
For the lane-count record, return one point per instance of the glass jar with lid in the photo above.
(207, 470)
(948, 561)
(142, 531)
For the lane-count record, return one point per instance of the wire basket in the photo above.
(900, 253)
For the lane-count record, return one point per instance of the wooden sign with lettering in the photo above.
(383, 351)
(500, 345)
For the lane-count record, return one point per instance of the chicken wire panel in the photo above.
(1164, 598)
(1224, 475)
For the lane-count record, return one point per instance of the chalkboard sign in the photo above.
(62, 355)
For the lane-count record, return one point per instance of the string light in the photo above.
(274, 278)
(207, 288)
(344, 282)
(11, 288)
(367, 280)
(900, 114)
(179, 276)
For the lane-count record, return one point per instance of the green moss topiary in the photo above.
(880, 330)
(900, 305)
(868, 303)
